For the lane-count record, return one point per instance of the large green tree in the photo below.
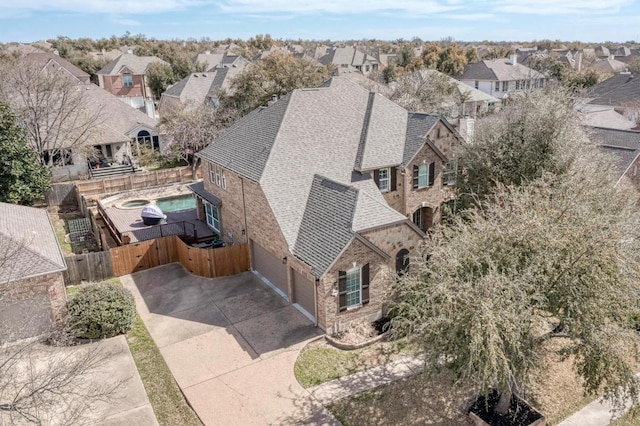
(538, 133)
(548, 251)
(22, 177)
(277, 74)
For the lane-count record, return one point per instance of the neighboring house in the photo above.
(620, 93)
(332, 188)
(609, 65)
(500, 77)
(109, 141)
(32, 292)
(624, 146)
(51, 61)
(125, 77)
(349, 59)
(199, 88)
(472, 102)
(212, 61)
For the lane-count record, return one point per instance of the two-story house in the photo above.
(125, 77)
(332, 188)
(499, 77)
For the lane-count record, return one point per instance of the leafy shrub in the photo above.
(101, 310)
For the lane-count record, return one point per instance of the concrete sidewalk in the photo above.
(598, 413)
(365, 380)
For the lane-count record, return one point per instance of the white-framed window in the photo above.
(384, 179)
(497, 86)
(423, 175)
(477, 84)
(213, 216)
(505, 86)
(216, 176)
(354, 287)
(450, 173)
(517, 84)
(127, 80)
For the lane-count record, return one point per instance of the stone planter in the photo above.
(481, 413)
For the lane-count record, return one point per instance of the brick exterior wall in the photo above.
(115, 85)
(30, 307)
(263, 229)
(407, 200)
(380, 272)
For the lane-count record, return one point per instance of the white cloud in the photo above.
(127, 22)
(98, 6)
(558, 7)
(421, 7)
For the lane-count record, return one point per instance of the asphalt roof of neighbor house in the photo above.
(137, 64)
(498, 70)
(346, 55)
(624, 145)
(28, 244)
(116, 119)
(339, 132)
(619, 90)
(196, 87)
(46, 58)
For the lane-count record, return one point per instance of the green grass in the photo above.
(165, 396)
(631, 418)
(321, 363)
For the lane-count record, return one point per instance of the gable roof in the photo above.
(499, 70)
(45, 59)
(117, 119)
(346, 56)
(28, 243)
(605, 116)
(312, 136)
(136, 64)
(325, 228)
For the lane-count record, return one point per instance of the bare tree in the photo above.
(44, 380)
(51, 103)
(427, 91)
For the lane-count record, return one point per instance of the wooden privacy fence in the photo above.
(136, 180)
(209, 263)
(88, 267)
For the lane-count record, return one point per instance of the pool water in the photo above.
(132, 204)
(176, 204)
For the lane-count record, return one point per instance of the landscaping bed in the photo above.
(360, 335)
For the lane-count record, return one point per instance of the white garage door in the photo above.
(270, 267)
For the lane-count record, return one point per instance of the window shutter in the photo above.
(365, 284)
(394, 179)
(416, 170)
(342, 290)
(432, 173)
(376, 177)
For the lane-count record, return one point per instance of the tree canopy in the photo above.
(547, 250)
(22, 177)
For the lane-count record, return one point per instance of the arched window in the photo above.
(144, 137)
(402, 262)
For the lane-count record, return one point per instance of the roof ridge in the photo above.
(364, 133)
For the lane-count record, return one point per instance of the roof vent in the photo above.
(513, 59)
(204, 75)
(130, 51)
(274, 99)
(55, 52)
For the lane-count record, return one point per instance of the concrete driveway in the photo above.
(230, 343)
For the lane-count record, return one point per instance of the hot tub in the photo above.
(134, 204)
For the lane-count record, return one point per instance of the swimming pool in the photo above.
(176, 204)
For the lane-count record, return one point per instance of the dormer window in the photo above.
(127, 80)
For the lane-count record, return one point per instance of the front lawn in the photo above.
(420, 400)
(320, 362)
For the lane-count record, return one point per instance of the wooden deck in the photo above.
(129, 220)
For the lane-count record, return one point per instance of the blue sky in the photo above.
(516, 20)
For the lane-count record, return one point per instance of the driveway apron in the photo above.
(230, 344)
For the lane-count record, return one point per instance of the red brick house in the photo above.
(125, 77)
(332, 188)
(32, 293)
